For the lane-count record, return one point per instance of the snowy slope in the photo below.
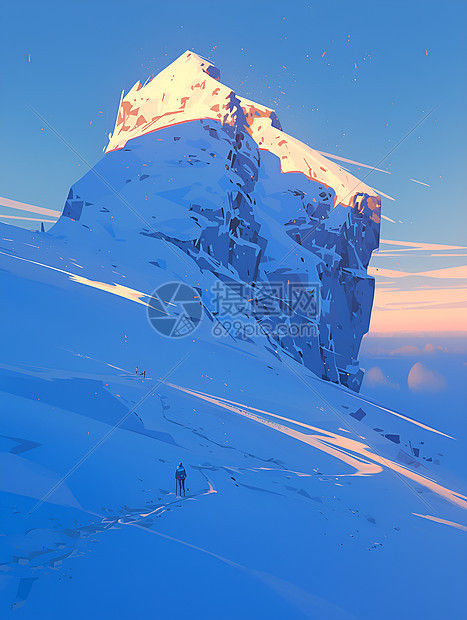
(296, 507)
(306, 499)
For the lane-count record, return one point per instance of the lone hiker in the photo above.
(180, 476)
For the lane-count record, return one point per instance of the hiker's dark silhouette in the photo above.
(180, 475)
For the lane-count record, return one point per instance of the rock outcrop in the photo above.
(286, 232)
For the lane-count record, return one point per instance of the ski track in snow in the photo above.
(306, 602)
(350, 451)
(355, 453)
(40, 556)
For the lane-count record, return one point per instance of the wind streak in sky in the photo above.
(23, 206)
(25, 217)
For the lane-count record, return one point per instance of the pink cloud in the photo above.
(408, 350)
(374, 377)
(422, 379)
(419, 310)
(455, 273)
(420, 245)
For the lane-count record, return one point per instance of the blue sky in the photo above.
(409, 58)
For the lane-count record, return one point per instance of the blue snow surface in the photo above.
(306, 498)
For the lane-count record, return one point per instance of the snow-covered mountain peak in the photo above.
(189, 90)
(213, 175)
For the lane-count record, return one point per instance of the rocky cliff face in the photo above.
(286, 233)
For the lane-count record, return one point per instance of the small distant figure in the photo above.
(180, 476)
(136, 369)
(143, 374)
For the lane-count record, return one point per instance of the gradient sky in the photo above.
(385, 66)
